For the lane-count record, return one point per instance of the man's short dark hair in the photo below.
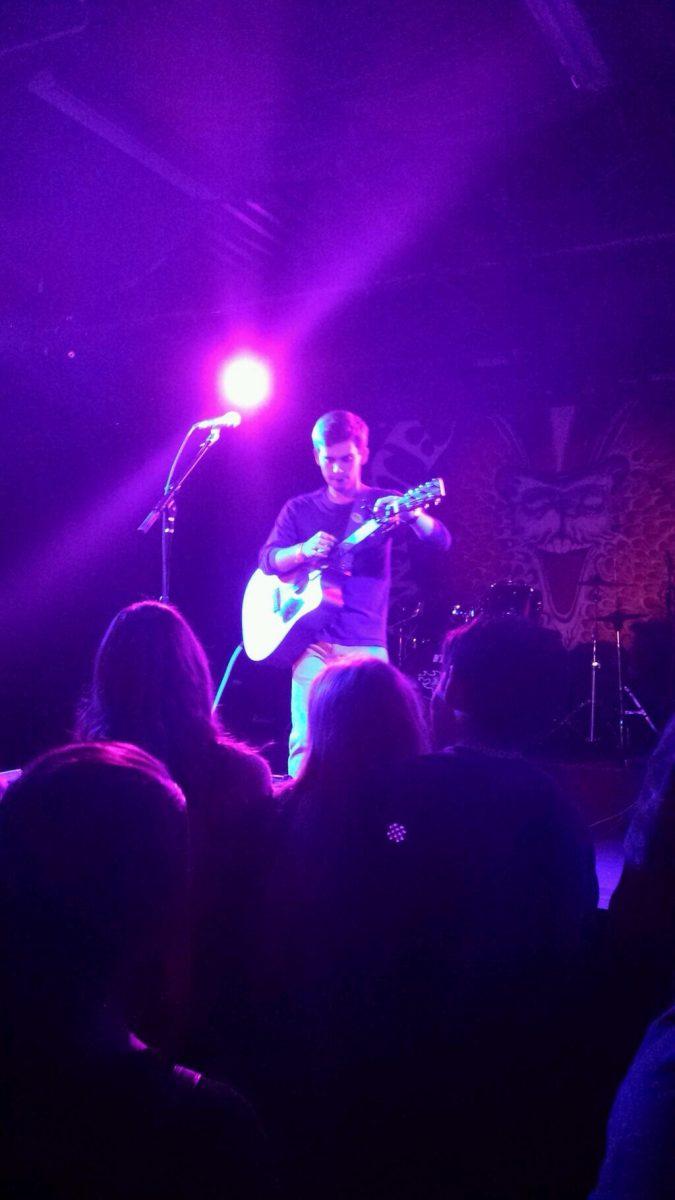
(340, 426)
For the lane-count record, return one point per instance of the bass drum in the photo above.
(422, 659)
(422, 663)
(462, 614)
(507, 598)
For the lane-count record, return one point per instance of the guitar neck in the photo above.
(360, 534)
(420, 497)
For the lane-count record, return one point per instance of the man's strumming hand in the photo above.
(318, 546)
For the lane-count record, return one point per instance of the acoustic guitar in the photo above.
(281, 614)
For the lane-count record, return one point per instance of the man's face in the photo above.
(340, 465)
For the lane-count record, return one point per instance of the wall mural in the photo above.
(576, 500)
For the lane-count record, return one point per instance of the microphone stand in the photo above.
(166, 505)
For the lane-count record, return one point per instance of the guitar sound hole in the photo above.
(290, 608)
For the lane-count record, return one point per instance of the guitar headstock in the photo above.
(423, 496)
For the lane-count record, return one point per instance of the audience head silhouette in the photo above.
(362, 713)
(151, 686)
(642, 908)
(93, 877)
(501, 684)
(650, 840)
(93, 890)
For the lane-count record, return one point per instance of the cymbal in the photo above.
(619, 616)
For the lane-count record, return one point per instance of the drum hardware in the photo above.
(420, 654)
(429, 679)
(461, 615)
(591, 702)
(617, 620)
(405, 636)
(422, 662)
(417, 639)
(511, 598)
(628, 703)
(595, 667)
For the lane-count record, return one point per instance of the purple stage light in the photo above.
(396, 832)
(245, 381)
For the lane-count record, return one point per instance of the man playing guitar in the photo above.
(308, 529)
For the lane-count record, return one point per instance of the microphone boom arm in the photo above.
(166, 505)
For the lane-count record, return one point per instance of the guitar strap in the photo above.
(360, 525)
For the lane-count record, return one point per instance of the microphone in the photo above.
(229, 419)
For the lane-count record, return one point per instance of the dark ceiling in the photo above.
(192, 157)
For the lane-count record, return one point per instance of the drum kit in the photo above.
(598, 717)
(417, 632)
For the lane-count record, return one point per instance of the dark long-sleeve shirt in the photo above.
(362, 620)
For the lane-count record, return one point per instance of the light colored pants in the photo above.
(305, 671)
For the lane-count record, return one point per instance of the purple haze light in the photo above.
(245, 381)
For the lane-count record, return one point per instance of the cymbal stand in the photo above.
(621, 714)
(405, 635)
(577, 716)
(624, 692)
(595, 667)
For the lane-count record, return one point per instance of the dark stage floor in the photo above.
(605, 793)
(608, 863)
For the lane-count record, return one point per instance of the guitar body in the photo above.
(282, 614)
